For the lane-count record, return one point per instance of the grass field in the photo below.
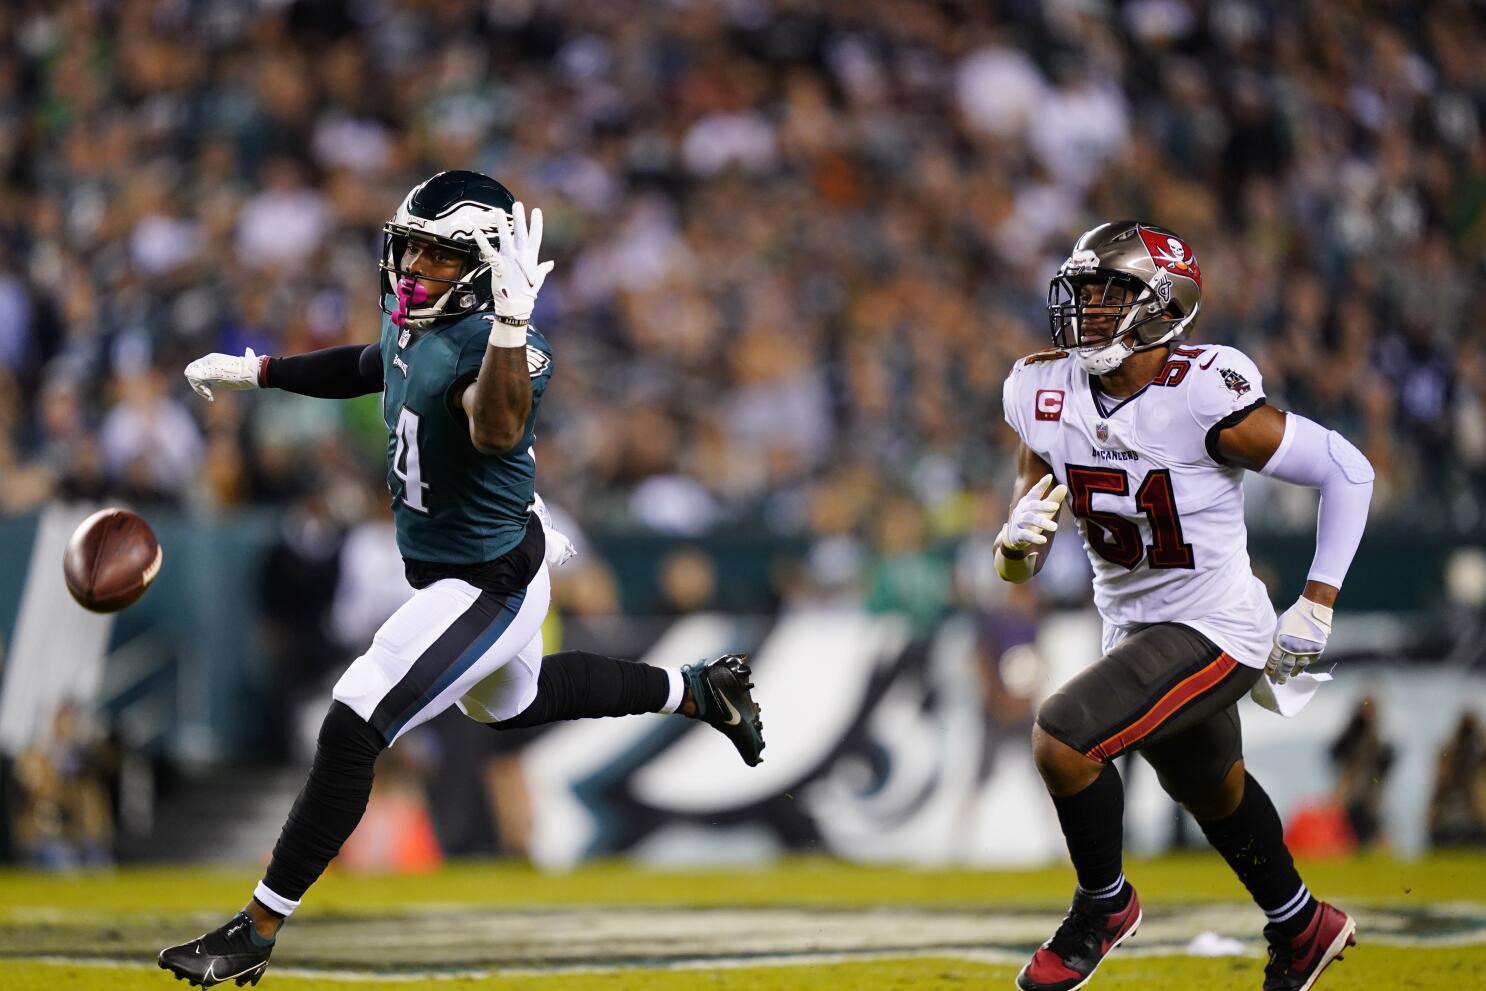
(806, 924)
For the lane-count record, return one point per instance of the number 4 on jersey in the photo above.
(405, 463)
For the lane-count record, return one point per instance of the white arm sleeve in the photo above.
(1309, 454)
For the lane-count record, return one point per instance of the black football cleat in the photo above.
(724, 700)
(225, 954)
(1296, 964)
(1084, 939)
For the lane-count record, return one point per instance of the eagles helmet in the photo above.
(1139, 280)
(445, 210)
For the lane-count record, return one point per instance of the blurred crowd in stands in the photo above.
(798, 242)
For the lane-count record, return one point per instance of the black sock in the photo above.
(1093, 822)
(1252, 840)
(576, 684)
(330, 804)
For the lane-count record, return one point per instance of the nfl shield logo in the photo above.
(1101, 430)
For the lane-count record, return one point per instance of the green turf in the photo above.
(1193, 877)
(86, 900)
(1363, 969)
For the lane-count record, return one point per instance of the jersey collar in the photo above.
(1107, 406)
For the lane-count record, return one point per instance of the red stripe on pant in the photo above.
(1167, 706)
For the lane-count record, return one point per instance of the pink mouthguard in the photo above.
(409, 295)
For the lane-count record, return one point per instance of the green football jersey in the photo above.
(452, 504)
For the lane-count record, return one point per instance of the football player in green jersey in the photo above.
(462, 373)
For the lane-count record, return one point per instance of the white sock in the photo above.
(678, 691)
(273, 900)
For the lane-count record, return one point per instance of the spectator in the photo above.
(791, 239)
(1362, 760)
(908, 578)
(151, 445)
(1457, 808)
(298, 586)
(687, 580)
(65, 819)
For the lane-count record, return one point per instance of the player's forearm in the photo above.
(1320, 593)
(499, 400)
(1324, 459)
(343, 372)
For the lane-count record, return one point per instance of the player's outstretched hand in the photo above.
(516, 276)
(1299, 638)
(223, 371)
(1033, 517)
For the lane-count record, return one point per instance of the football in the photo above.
(111, 559)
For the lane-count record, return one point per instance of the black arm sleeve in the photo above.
(343, 372)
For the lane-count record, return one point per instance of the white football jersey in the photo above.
(1161, 517)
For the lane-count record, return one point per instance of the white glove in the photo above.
(560, 549)
(515, 274)
(223, 371)
(1032, 517)
(1299, 638)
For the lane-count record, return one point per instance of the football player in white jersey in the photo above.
(1147, 441)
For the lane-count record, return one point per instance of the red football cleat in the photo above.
(1087, 934)
(1296, 964)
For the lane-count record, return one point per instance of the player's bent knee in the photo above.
(1208, 797)
(1057, 721)
(346, 739)
(365, 683)
(1060, 765)
(1208, 807)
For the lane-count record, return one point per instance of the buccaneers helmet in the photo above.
(445, 210)
(1128, 286)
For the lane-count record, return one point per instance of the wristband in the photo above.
(1015, 569)
(263, 372)
(506, 335)
(1015, 566)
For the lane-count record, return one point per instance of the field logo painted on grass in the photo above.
(552, 941)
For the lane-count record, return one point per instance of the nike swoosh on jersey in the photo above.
(1211, 358)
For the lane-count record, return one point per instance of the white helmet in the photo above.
(445, 210)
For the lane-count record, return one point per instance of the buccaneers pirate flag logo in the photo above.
(1172, 254)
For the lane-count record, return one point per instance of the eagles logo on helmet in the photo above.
(444, 210)
(1139, 281)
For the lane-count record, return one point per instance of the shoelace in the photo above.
(1279, 960)
(225, 939)
(1074, 935)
